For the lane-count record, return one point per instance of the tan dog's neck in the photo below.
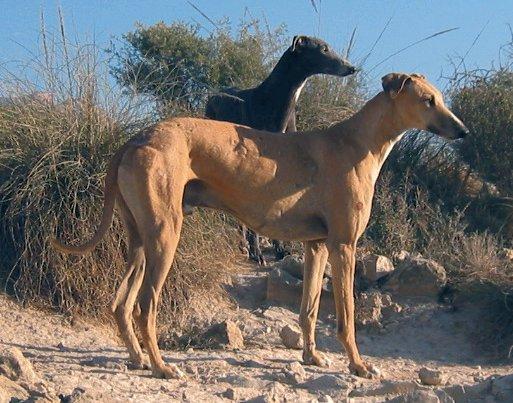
(376, 127)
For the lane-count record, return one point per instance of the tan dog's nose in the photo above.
(464, 132)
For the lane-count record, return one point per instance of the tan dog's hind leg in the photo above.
(152, 190)
(316, 255)
(123, 304)
(160, 247)
(342, 259)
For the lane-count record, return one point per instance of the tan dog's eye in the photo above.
(430, 101)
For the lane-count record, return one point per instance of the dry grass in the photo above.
(54, 151)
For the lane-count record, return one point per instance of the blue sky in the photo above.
(410, 21)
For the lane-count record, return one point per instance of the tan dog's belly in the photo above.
(290, 218)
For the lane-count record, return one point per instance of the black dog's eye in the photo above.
(325, 48)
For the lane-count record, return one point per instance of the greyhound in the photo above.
(316, 187)
(271, 105)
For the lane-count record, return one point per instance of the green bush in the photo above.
(486, 105)
(179, 67)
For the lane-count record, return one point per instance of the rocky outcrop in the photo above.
(11, 391)
(18, 379)
(291, 264)
(373, 307)
(16, 367)
(285, 289)
(416, 277)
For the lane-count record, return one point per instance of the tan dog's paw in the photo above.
(316, 358)
(170, 371)
(364, 370)
(144, 363)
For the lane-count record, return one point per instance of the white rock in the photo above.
(291, 337)
(432, 377)
(373, 267)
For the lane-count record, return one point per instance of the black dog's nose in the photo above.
(351, 69)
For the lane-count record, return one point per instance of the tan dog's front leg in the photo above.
(316, 255)
(342, 259)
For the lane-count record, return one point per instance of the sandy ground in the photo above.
(89, 356)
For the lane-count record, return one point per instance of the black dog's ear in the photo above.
(298, 40)
(394, 83)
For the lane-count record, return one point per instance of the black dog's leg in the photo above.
(254, 247)
(279, 249)
(244, 245)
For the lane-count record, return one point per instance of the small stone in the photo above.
(231, 394)
(291, 337)
(431, 377)
(225, 334)
(417, 396)
(105, 362)
(325, 383)
(77, 395)
(387, 388)
(241, 381)
(62, 347)
(325, 399)
(294, 373)
(191, 369)
(373, 267)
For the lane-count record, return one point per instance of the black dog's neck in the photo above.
(282, 85)
(285, 78)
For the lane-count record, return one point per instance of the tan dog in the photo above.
(316, 187)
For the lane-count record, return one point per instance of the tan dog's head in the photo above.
(422, 106)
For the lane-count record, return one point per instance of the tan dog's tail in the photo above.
(110, 193)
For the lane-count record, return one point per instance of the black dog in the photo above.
(271, 105)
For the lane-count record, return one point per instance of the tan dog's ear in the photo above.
(418, 75)
(394, 83)
(297, 41)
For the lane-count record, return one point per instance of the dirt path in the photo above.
(89, 357)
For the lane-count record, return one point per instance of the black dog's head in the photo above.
(316, 57)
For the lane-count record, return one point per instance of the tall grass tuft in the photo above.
(58, 129)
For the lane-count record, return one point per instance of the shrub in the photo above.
(55, 146)
(180, 67)
(327, 100)
(485, 103)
